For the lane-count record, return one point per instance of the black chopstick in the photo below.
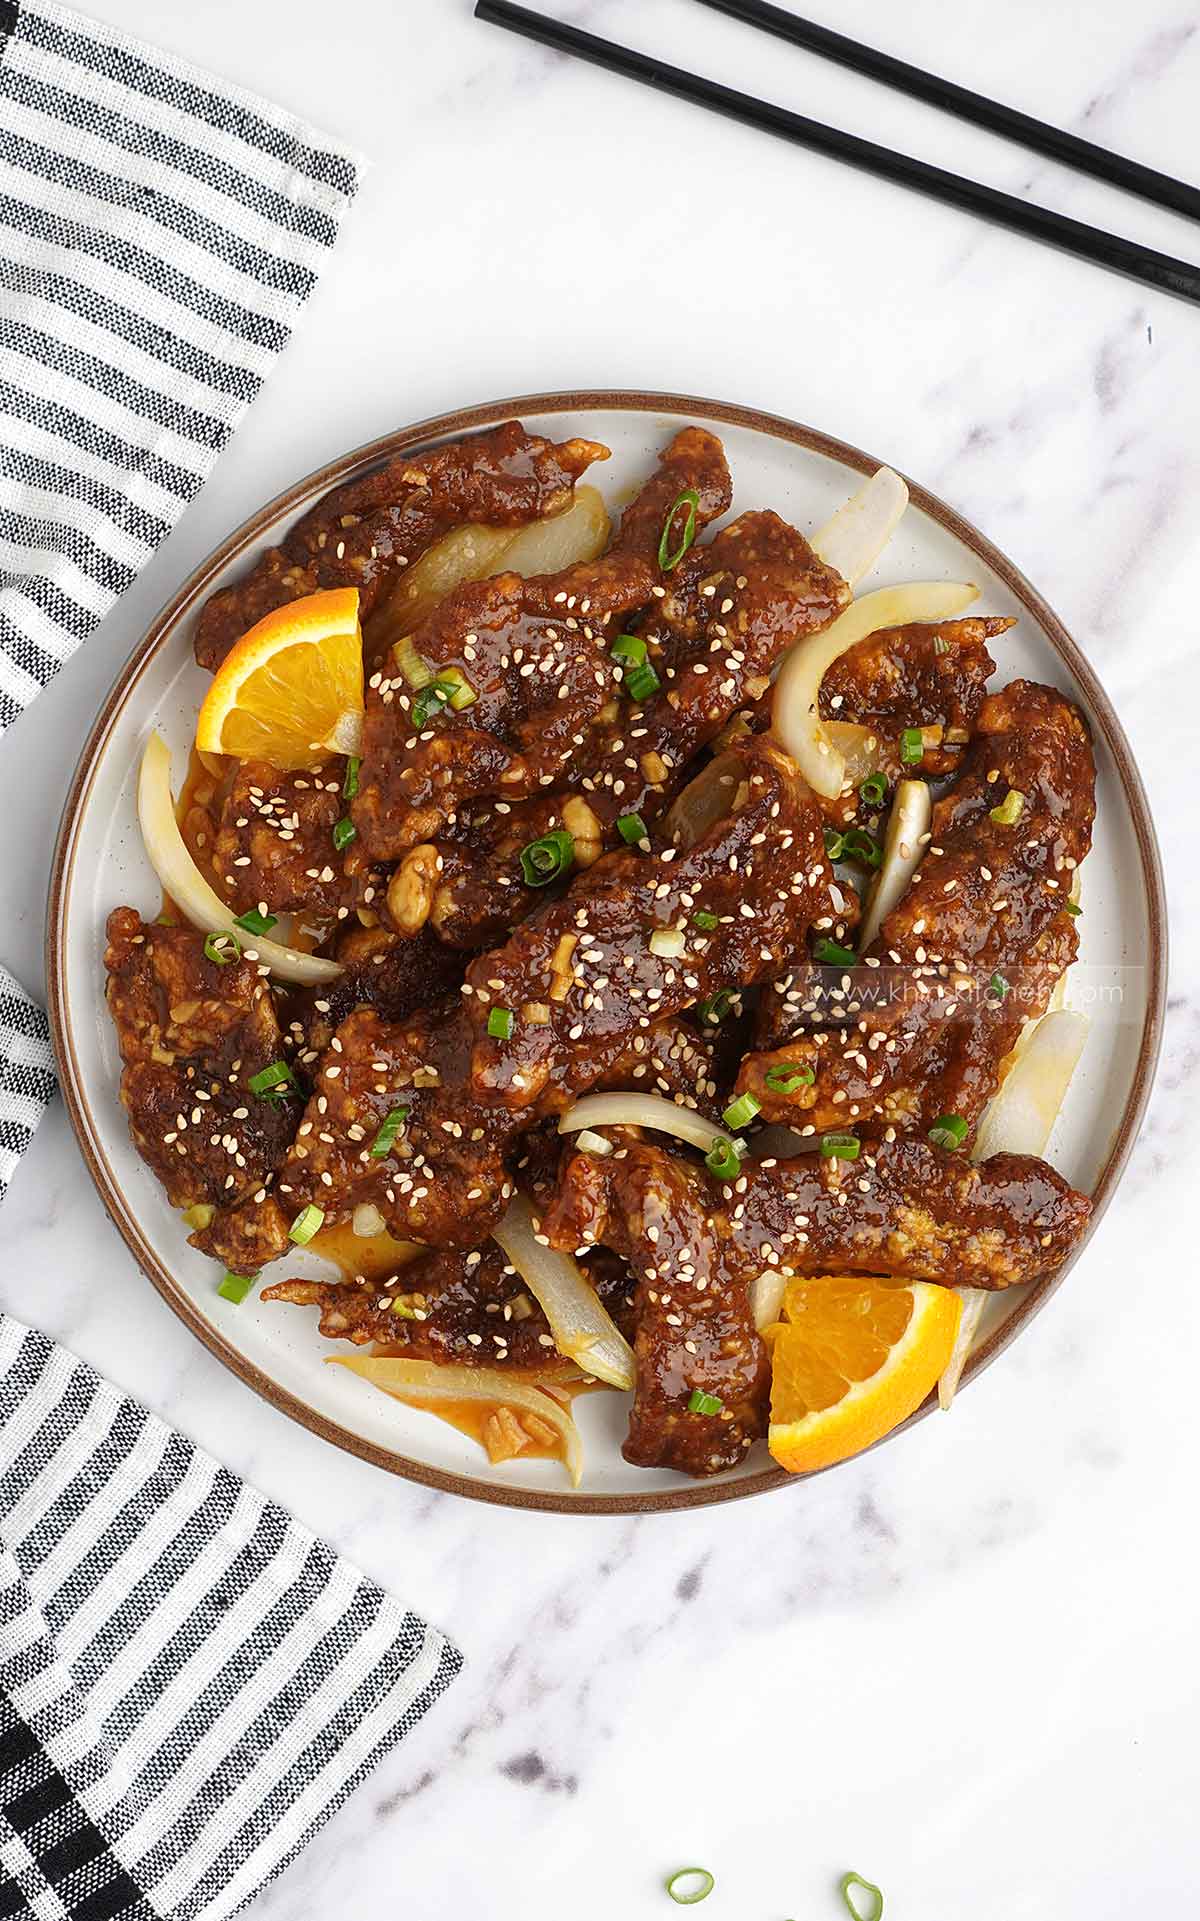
(1139, 263)
(1115, 168)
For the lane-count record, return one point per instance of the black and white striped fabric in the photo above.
(190, 1682)
(26, 1074)
(159, 233)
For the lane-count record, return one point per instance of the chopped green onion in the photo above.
(629, 647)
(668, 560)
(787, 1076)
(855, 1881)
(840, 1147)
(1073, 908)
(306, 1224)
(830, 954)
(723, 1158)
(344, 832)
(998, 986)
(858, 845)
(835, 843)
(544, 860)
(1010, 809)
(458, 690)
(222, 949)
(350, 784)
(270, 1079)
(713, 1011)
(689, 1885)
(415, 671)
(501, 1021)
(388, 1132)
(701, 1403)
(641, 682)
(940, 644)
(873, 790)
(704, 920)
(256, 923)
(632, 828)
(912, 746)
(949, 1131)
(428, 702)
(741, 1112)
(235, 1287)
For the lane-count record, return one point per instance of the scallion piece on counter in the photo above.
(704, 920)
(1010, 809)
(948, 1131)
(998, 986)
(741, 1112)
(831, 954)
(1073, 908)
(713, 1011)
(253, 922)
(723, 1159)
(873, 790)
(629, 649)
(544, 860)
(272, 1080)
(912, 746)
(701, 1403)
(222, 949)
(786, 1076)
(840, 1147)
(235, 1287)
(501, 1021)
(307, 1223)
(632, 828)
(344, 831)
(350, 783)
(689, 1885)
(854, 1882)
(388, 1132)
(835, 843)
(641, 682)
(668, 557)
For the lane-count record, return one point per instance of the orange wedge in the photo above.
(851, 1359)
(291, 691)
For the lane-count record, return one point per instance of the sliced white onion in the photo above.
(182, 880)
(581, 1325)
(669, 943)
(421, 1382)
(642, 1110)
(366, 1221)
(766, 1298)
(854, 538)
(547, 546)
(1020, 1116)
(796, 717)
(903, 845)
(589, 1143)
(1018, 1120)
(704, 801)
(974, 1300)
(861, 748)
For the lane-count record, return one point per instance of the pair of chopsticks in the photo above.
(987, 203)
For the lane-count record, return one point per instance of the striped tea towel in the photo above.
(26, 1075)
(159, 233)
(190, 1682)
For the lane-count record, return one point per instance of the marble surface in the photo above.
(965, 1665)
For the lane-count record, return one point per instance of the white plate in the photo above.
(1119, 978)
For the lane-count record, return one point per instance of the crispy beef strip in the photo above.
(396, 977)
(931, 675)
(693, 1320)
(974, 947)
(536, 655)
(582, 982)
(470, 1309)
(274, 844)
(192, 1034)
(365, 533)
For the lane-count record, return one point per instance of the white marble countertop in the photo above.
(966, 1665)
